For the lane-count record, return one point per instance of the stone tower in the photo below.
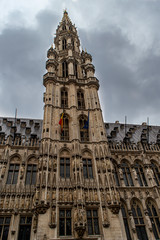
(75, 193)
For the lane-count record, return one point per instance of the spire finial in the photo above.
(65, 11)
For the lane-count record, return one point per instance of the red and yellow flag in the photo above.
(61, 122)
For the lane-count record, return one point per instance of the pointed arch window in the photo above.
(65, 69)
(84, 133)
(125, 220)
(154, 218)
(64, 167)
(64, 44)
(64, 27)
(64, 98)
(13, 174)
(76, 70)
(31, 174)
(80, 99)
(140, 174)
(87, 168)
(156, 173)
(127, 174)
(65, 131)
(139, 221)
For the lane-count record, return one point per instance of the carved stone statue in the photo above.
(53, 216)
(35, 222)
(3, 171)
(95, 195)
(132, 223)
(22, 172)
(134, 173)
(148, 221)
(121, 173)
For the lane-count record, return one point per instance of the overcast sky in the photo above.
(122, 36)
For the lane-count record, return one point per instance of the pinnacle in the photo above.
(65, 17)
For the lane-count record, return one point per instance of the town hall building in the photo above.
(71, 175)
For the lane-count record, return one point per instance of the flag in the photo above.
(61, 122)
(86, 125)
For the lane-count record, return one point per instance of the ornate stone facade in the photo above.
(82, 178)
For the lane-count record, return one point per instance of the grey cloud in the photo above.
(22, 65)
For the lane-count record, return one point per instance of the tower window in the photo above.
(65, 167)
(92, 222)
(84, 133)
(64, 27)
(87, 168)
(13, 174)
(65, 222)
(80, 100)
(127, 174)
(25, 228)
(76, 70)
(140, 174)
(65, 131)
(4, 227)
(31, 174)
(64, 44)
(64, 69)
(64, 98)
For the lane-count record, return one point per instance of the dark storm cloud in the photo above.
(22, 65)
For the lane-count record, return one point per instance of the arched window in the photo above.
(13, 173)
(154, 218)
(64, 98)
(84, 133)
(64, 44)
(127, 174)
(75, 70)
(125, 220)
(156, 173)
(64, 27)
(65, 131)
(65, 69)
(31, 174)
(87, 168)
(139, 221)
(140, 174)
(80, 99)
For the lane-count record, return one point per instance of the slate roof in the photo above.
(117, 132)
(26, 128)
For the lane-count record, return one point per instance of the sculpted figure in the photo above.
(53, 216)
(134, 173)
(148, 221)
(54, 195)
(132, 222)
(76, 215)
(121, 173)
(22, 172)
(95, 196)
(3, 171)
